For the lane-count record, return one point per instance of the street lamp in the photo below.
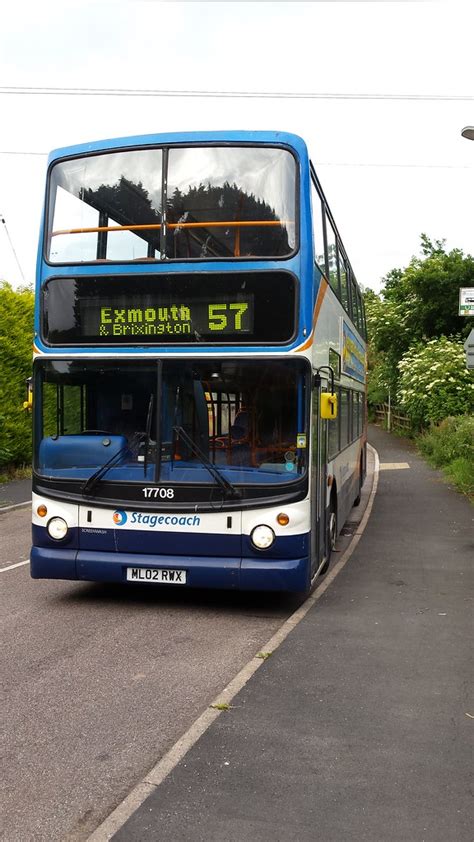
(468, 132)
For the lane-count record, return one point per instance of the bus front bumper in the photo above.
(260, 574)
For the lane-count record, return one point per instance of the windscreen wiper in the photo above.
(91, 483)
(229, 489)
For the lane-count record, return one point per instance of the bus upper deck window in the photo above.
(230, 202)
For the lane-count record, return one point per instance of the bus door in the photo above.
(318, 482)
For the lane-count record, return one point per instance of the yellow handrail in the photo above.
(157, 226)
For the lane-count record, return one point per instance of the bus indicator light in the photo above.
(283, 519)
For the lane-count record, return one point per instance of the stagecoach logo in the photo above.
(120, 518)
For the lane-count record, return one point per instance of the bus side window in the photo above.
(318, 229)
(345, 419)
(333, 433)
(345, 297)
(343, 272)
(355, 415)
(361, 314)
(332, 258)
(360, 412)
(355, 306)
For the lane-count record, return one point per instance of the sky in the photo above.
(388, 85)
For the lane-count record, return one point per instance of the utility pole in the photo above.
(2, 219)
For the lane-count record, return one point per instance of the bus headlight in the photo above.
(57, 528)
(262, 537)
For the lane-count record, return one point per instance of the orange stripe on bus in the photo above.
(319, 302)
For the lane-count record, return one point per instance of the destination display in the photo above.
(163, 318)
(170, 308)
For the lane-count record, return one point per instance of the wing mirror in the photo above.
(327, 400)
(28, 404)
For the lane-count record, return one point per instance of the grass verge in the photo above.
(10, 474)
(450, 446)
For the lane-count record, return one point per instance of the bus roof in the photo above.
(225, 137)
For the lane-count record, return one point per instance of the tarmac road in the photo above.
(99, 681)
(359, 727)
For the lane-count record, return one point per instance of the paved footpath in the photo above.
(360, 725)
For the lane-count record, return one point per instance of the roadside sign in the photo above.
(466, 301)
(469, 349)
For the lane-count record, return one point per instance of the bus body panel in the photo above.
(290, 575)
(343, 469)
(105, 542)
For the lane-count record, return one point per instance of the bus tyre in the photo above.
(331, 534)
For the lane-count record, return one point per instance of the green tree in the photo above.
(416, 304)
(16, 336)
(427, 291)
(388, 338)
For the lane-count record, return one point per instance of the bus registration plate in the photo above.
(152, 574)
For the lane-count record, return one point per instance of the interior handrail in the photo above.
(174, 225)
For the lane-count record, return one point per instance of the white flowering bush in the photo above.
(434, 382)
(388, 326)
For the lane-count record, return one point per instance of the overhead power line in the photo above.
(396, 166)
(11, 152)
(146, 92)
(355, 164)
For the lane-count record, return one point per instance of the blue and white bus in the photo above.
(194, 306)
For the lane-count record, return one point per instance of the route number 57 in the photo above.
(221, 314)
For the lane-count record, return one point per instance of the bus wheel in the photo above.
(331, 534)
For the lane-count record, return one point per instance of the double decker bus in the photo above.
(197, 320)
